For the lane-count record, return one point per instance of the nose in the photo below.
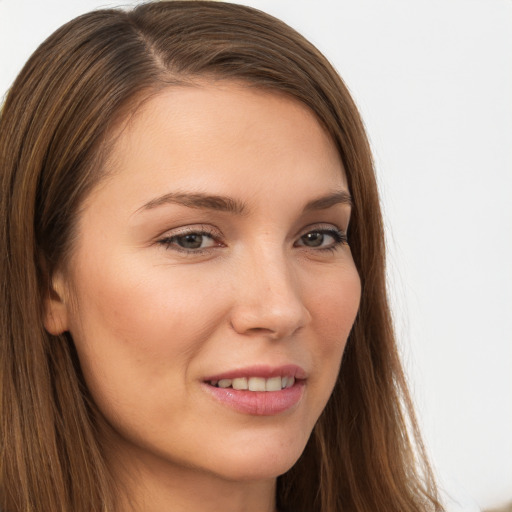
(268, 300)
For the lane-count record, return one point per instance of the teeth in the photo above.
(240, 383)
(224, 383)
(273, 384)
(255, 383)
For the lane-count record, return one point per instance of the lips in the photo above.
(260, 390)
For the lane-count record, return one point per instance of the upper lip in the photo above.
(266, 372)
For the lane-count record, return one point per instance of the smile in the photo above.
(255, 383)
(259, 390)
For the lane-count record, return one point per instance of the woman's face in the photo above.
(211, 259)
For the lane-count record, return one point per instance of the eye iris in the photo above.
(190, 241)
(313, 239)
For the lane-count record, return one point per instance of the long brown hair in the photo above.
(365, 453)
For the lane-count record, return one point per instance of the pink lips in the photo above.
(259, 403)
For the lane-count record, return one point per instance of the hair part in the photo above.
(56, 130)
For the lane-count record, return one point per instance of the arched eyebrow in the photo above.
(325, 202)
(198, 200)
(230, 205)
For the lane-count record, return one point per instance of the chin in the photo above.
(259, 459)
(266, 469)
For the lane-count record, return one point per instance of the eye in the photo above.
(193, 240)
(322, 239)
(190, 241)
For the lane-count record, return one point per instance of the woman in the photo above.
(181, 283)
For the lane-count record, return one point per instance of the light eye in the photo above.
(322, 239)
(314, 239)
(192, 241)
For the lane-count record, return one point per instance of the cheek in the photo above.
(334, 312)
(335, 305)
(137, 335)
(136, 326)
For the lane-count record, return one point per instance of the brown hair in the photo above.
(365, 453)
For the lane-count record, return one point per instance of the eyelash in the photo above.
(340, 238)
(170, 242)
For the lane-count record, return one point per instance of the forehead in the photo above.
(214, 136)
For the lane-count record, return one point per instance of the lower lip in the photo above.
(258, 403)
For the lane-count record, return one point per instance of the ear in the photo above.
(56, 306)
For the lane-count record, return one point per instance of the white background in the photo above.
(433, 79)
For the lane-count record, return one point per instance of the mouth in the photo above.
(255, 383)
(259, 390)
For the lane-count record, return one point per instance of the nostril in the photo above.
(275, 328)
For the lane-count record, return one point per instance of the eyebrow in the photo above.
(230, 205)
(325, 202)
(198, 200)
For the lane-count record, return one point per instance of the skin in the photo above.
(151, 319)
